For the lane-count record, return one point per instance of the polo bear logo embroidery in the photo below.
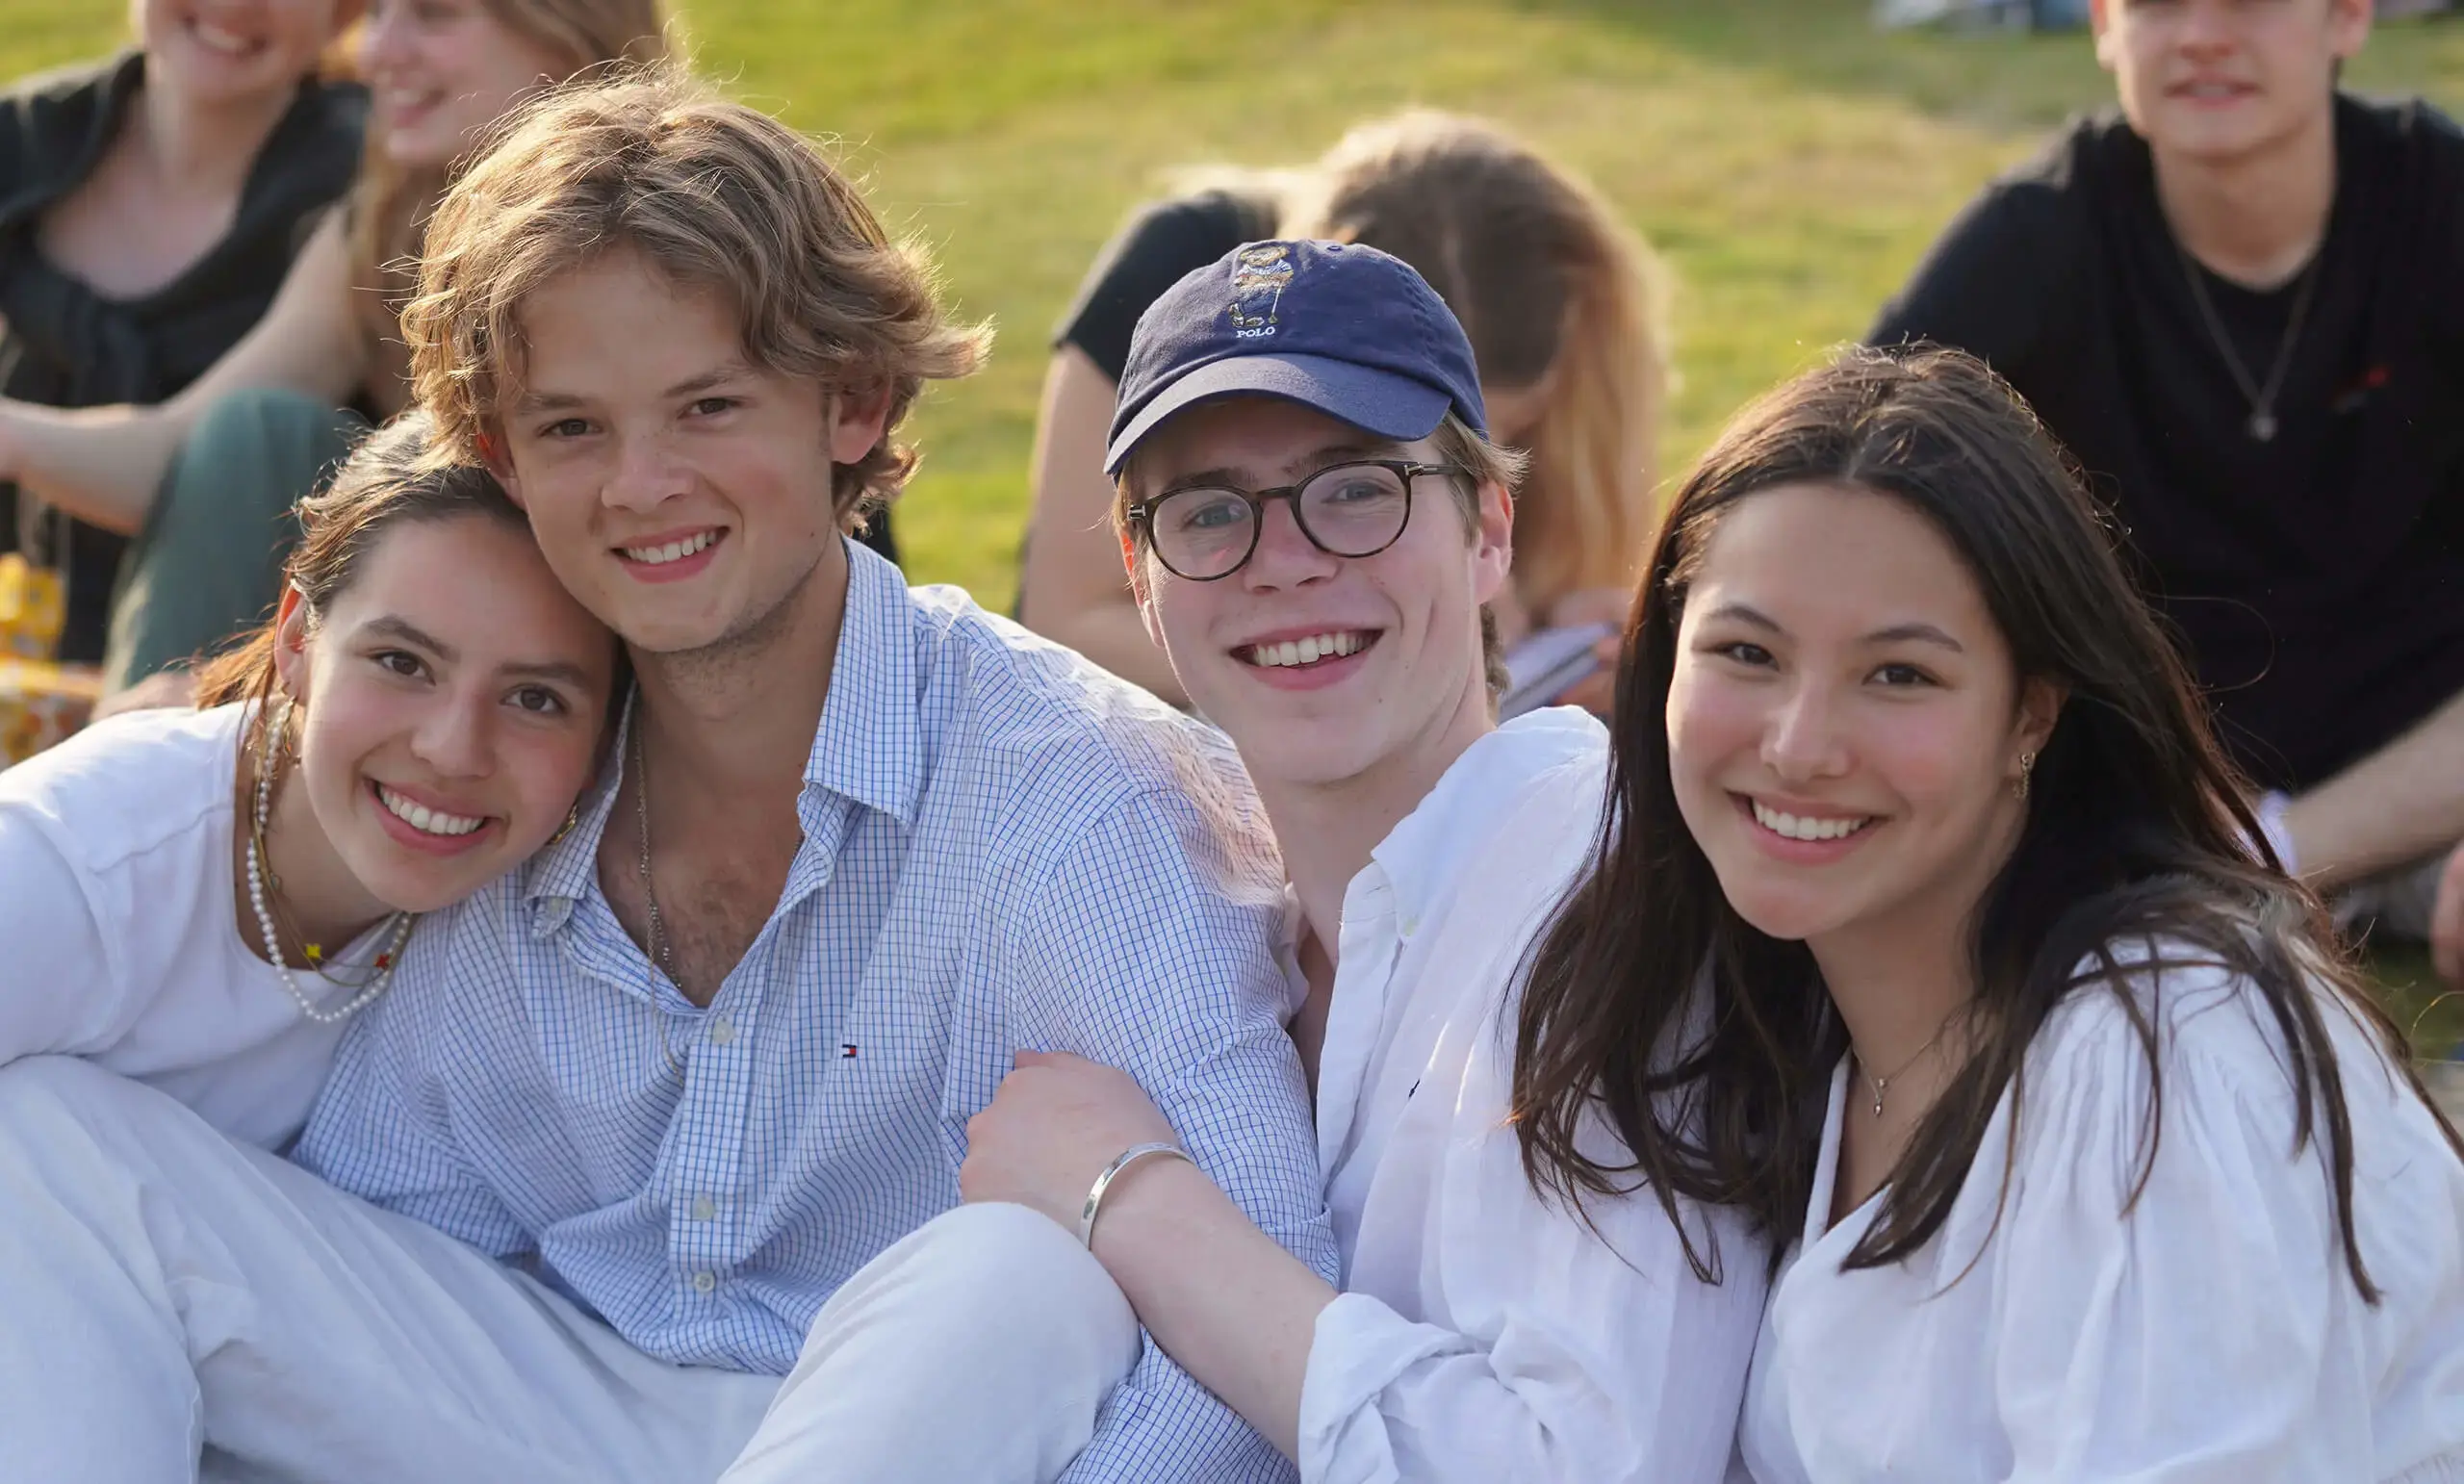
(1259, 276)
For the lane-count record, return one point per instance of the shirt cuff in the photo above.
(1360, 1346)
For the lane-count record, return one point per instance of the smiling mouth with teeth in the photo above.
(1308, 650)
(671, 551)
(421, 818)
(1795, 827)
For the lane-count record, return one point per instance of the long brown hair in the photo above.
(386, 481)
(391, 205)
(1549, 284)
(2136, 833)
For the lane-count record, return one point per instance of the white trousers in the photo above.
(176, 1306)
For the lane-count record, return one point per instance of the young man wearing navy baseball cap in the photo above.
(1313, 517)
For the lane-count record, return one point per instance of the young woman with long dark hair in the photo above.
(2097, 1157)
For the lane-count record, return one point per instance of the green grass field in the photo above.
(1789, 163)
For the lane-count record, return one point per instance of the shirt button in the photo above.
(705, 1281)
(703, 1208)
(721, 1031)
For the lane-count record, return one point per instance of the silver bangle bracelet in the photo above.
(1112, 1173)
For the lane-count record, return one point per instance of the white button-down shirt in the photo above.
(1485, 1334)
(2202, 1327)
(1004, 848)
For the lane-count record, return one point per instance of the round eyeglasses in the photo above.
(1204, 532)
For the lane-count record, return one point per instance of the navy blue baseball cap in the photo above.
(1348, 330)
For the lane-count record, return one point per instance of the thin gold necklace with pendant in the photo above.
(1881, 1085)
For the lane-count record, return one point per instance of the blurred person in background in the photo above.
(1566, 312)
(205, 480)
(2241, 303)
(150, 205)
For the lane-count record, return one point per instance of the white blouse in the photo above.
(1484, 1333)
(119, 933)
(2212, 1332)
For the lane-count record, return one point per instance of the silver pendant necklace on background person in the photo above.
(662, 958)
(1881, 1085)
(2262, 424)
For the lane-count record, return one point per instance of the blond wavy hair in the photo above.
(710, 195)
(1551, 286)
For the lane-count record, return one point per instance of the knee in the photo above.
(254, 444)
(1019, 1263)
(983, 1270)
(62, 1112)
(34, 1089)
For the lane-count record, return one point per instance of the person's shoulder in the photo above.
(131, 784)
(50, 119)
(2062, 185)
(1195, 228)
(1044, 723)
(2213, 1032)
(2413, 127)
(1537, 783)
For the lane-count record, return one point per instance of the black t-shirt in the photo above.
(1162, 244)
(63, 345)
(2316, 577)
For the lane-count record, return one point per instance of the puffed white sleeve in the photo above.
(62, 984)
(2208, 1331)
(1570, 1353)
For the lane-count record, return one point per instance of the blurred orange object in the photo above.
(42, 702)
(32, 607)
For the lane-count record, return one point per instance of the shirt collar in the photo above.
(868, 748)
(1424, 853)
(870, 745)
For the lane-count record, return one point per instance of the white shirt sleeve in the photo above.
(62, 982)
(1570, 1354)
(2200, 1337)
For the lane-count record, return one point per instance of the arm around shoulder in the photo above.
(1152, 950)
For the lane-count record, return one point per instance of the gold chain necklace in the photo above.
(1881, 1085)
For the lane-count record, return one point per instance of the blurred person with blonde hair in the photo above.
(204, 481)
(1565, 309)
(150, 205)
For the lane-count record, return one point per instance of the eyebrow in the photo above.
(1896, 633)
(530, 401)
(1301, 466)
(394, 626)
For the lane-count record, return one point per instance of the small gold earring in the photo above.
(573, 817)
(2027, 772)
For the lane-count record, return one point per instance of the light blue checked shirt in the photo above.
(1004, 848)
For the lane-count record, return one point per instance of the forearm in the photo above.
(100, 464)
(2399, 804)
(1219, 1296)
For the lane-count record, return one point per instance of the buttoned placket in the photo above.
(1366, 948)
(703, 1161)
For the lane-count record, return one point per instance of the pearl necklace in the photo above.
(257, 874)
